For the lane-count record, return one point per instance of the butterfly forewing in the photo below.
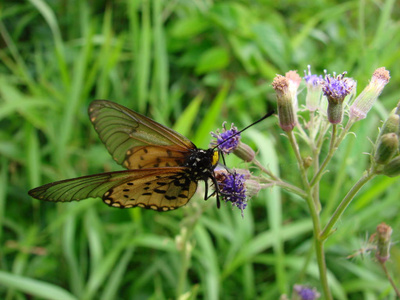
(123, 131)
(155, 156)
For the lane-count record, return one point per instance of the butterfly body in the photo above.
(164, 167)
(201, 163)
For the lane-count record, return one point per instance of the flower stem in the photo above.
(335, 142)
(319, 248)
(286, 186)
(331, 152)
(323, 277)
(385, 270)
(296, 150)
(319, 243)
(345, 202)
(265, 170)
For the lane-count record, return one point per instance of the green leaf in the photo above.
(34, 287)
(213, 60)
(185, 121)
(188, 27)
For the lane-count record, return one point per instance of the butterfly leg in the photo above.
(217, 191)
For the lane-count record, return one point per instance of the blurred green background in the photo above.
(190, 65)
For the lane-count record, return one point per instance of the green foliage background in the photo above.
(189, 65)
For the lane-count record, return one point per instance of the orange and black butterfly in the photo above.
(164, 167)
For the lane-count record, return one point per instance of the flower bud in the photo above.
(386, 148)
(244, 152)
(397, 109)
(364, 101)
(392, 168)
(294, 83)
(307, 162)
(286, 114)
(383, 234)
(252, 188)
(391, 125)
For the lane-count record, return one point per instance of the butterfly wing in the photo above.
(131, 137)
(162, 192)
(158, 189)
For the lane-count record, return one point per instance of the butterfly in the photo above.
(164, 167)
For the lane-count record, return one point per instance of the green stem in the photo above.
(331, 152)
(295, 146)
(185, 248)
(185, 259)
(385, 270)
(319, 248)
(286, 186)
(345, 202)
(335, 142)
(323, 276)
(279, 182)
(265, 170)
(319, 243)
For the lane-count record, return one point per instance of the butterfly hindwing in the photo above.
(161, 192)
(80, 188)
(158, 189)
(126, 134)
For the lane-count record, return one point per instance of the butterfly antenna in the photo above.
(270, 113)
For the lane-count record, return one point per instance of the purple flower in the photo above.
(232, 188)
(227, 140)
(336, 88)
(313, 80)
(306, 293)
(314, 89)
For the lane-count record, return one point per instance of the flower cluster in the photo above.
(335, 88)
(333, 109)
